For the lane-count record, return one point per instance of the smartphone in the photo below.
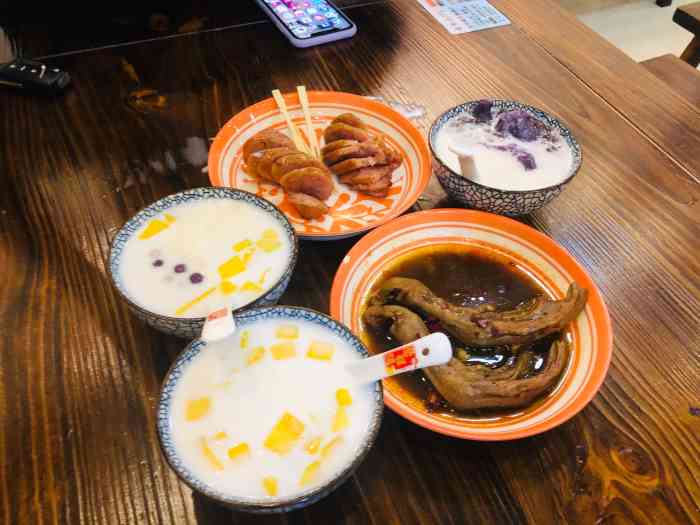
(308, 23)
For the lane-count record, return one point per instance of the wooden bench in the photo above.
(682, 78)
(688, 17)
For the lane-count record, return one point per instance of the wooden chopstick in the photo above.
(313, 140)
(293, 131)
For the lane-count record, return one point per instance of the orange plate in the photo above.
(533, 252)
(351, 212)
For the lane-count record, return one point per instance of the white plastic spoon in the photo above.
(219, 324)
(466, 162)
(431, 350)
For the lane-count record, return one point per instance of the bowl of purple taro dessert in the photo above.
(502, 156)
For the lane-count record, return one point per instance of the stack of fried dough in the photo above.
(360, 159)
(271, 156)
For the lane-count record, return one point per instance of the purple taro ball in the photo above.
(158, 262)
(196, 278)
(520, 124)
(180, 268)
(527, 160)
(482, 111)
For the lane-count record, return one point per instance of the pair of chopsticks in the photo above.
(311, 148)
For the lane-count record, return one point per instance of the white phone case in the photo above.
(313, 40)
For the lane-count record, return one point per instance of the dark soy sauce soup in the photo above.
(465, 276)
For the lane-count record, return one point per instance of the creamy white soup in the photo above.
(203, 255)
(510, 150)
(270, 412)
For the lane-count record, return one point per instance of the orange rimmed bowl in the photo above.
(351, 212)
(533, 252)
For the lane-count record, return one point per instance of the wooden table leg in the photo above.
(692, 52)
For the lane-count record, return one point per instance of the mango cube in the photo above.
(268, 245)
(256, 355)
(310, 473)
(340, 420)
(242, 245)
(245, 337)
(169, 218)
(239, 451)
(287, 331)
(328, 449)
(285, 434)
(343, 397)
(153, 228)
(220, 436)
(283, 350)
(250, 286)
(232, 267)
(227, 288)
(312, 446)
(321, 351)
(270, 234)
(209, 454)
(197, 408)
(270, 485)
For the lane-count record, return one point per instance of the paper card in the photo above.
(465, 16)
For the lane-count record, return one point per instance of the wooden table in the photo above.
(79, 375)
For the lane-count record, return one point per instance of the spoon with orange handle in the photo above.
(431, 350)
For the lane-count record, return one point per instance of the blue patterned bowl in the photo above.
(191, 327)
(506, 202)
(247, 318)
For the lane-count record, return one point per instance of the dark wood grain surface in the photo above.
(79, 375)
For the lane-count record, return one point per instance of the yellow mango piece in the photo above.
(283, 350)
(319, 350)
(232, 267)
(270, 485)
(239, 451)
(268, 245)
(220, 435)
(209, 454)
(155, 226)
(169, 218)
(250, 286)
(328, 448)
(242, 245)
(270, 234)
(247, 256)
(197, 408)
(256, 355)
(227, 288)
(245, 337)
(285, 434)
(343, 397)
(340, 420)
(310, 473)
(312, 446)
(287, 331)
(194, 301)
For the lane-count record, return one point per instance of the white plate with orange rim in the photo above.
(351, 212)
(538, 256)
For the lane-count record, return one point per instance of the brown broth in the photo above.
(465, 276)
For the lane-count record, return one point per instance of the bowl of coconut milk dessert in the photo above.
(503, 156)
(200, 250)
(272, 417)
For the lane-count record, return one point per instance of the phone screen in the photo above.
(308, 18)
